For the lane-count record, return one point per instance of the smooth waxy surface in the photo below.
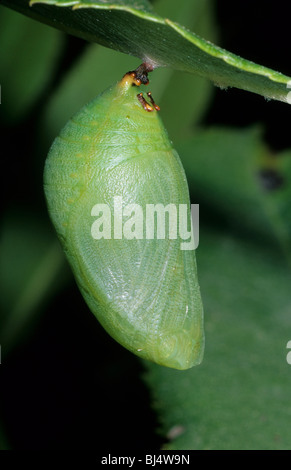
(144, 292)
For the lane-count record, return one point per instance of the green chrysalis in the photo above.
(111, 162)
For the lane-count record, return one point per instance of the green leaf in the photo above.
(276, 173)
(26, 64)
(239, 183)
(239, 397)
(142, 5)
(178, 93)
(156, 40)
(32, 268)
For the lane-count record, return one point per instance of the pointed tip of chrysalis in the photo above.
(179, 350)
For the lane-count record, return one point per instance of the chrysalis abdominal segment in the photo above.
(145, 293)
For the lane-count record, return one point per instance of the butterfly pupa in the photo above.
(111, 161)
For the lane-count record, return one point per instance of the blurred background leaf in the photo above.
(26, 64)
(31, 270)
(241, 183)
